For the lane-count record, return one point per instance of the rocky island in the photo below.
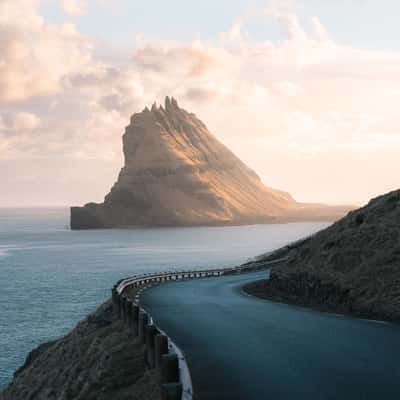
(177, 173)
(352, 267)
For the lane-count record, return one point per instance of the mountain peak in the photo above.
(171, 104)
(177, 173)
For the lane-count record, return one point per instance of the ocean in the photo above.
(51, 277)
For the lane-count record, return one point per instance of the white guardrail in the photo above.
(142, 281)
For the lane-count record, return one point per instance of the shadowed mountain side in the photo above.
(353, 266)
(97, 360)
(177, 173)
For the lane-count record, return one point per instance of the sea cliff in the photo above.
(176, 173)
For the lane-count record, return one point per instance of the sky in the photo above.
(305, 92)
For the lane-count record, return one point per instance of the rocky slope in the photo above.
(177, 173)
(352, 266)
(98, 360)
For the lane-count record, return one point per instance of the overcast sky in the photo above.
(305, 92)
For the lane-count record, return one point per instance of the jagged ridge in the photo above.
(177, 173)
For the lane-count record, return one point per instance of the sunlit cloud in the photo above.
(36, 56)
(74, 8)
(297, 99)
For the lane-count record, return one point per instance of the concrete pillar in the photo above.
(114, 296)
(150, 332)
(119, 306)
(123, 308)
(160, 348)
(171, 391)
(143, 321)
(128, 307)
(169, 368)
(135, 320)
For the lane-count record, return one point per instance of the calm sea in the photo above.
(51, 277)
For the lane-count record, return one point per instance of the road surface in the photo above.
(244, 348)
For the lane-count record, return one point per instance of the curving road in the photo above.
(244, 348)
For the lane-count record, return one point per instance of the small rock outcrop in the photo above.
(177, 173)
(351, 267)
(97, 360)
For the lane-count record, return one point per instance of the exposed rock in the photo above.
(352, 266)
(98, 360)
(177, 173)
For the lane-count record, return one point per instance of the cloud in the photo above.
(35, 56)
(19, 121)
(74, 8)
(190, 60)
(114, 6)
(279, 104)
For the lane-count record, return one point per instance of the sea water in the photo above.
(51, 277)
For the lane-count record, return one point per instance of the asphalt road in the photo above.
(240, 347)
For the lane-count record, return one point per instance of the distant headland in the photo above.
(177, 173)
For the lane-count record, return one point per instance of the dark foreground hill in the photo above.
(98, 360)
(352, 266)
(177, 173)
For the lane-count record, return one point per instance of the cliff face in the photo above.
(177, 173)
(353, 266)
(98, 360)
